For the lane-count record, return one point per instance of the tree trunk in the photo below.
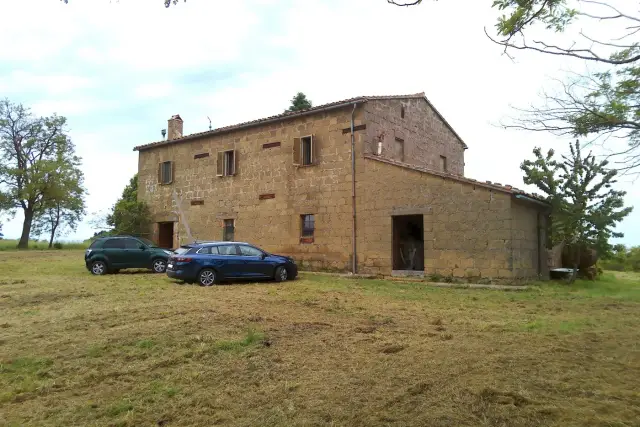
(576, 263)
(55, 221)
(53, 234)
(26, 229)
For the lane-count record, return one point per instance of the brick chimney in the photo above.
(175, 127)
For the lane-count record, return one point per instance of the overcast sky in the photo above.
(119, 70)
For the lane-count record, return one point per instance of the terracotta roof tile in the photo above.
(288, 115)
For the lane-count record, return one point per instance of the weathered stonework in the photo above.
(469, 230)
(426, 137)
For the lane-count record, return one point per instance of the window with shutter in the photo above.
(307, 151)
(227, 163)
(165, 173)
(296, 151)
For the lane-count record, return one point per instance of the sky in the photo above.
(119, 69)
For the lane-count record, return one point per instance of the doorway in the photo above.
(408, 243)
(165, 235)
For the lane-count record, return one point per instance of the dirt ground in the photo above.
(137, 349)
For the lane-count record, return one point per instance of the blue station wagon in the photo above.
(210, 262)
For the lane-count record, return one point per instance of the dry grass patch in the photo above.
(138, 349)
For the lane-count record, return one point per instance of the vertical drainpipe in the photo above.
(354, 267)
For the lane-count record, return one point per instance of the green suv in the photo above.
(114, 253)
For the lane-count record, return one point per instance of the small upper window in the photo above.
(166, 173)
(443, 163)
(227, 163)
(308, 225)
(402, 112)
(304, 151)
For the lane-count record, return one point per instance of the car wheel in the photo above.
(281, 274)
(207, 277)
(159, 266)
(98, 268)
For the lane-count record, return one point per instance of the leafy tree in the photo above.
(623, 259)
(585, 207)
(34, 153)
(65, 205)
(596, 105)
(299, 102)
(129, 216)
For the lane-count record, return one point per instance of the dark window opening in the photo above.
(229, 230)
(229, 164)
(402, 112)
(308, 225)
(443, 163)
(165, 173)
(307, 150)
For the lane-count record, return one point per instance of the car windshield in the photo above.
(147, 242)
(182, 250)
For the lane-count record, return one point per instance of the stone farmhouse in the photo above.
(290, 184)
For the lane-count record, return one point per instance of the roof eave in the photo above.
(250, 124)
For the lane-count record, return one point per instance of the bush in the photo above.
(57, 245)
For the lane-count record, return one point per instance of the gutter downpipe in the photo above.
(354, 265)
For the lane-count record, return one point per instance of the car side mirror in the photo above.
(263, 256)
(143, 247)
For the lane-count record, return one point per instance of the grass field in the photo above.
(138, 349)
(11, 245)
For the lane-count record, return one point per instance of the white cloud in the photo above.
(154, 90)
(119, 70)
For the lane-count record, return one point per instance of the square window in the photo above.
(443, 163)
(229, 230)
(308, 226)
(166, 172)
(226, 163)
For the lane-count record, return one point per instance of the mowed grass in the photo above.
(12, 245)
(140, 350)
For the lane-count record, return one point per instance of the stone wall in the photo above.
(323, 189)
(467, 230)
(426, 137)
(524, 240)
